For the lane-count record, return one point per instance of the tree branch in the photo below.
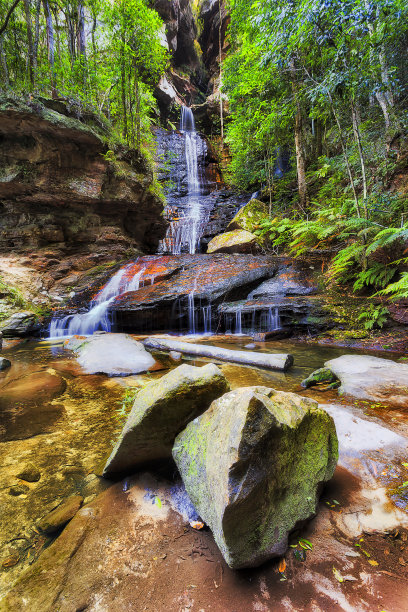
(5, 24)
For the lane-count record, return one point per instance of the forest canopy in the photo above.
(103, 54)
(325, 83)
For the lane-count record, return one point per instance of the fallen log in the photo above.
(271, 361)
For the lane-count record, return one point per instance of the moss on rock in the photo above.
(253, 465)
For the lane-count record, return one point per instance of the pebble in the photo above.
(19, 489)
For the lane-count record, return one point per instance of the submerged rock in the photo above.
(236, 241)
(372, 378)
(322, 375)
(4, 363)
(21, 324)
(29, 473)
(161, 410)
(253, 465)
(113, 354)
(60, 516)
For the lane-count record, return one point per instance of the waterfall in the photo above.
(97, 318)
(238, 322)
(191, 314)
(184, 234)
(207, 319)
(274, 321)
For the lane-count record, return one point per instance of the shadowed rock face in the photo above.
(57, 188)
(206, 278)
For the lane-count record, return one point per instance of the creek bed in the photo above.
(86, 412)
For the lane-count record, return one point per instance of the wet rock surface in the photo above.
(21, 324)
(255, 463)
(132, 547)
(207, 278)
(372, 378)
(59, 517)
(161, 410)
(112, 354)
(27, 407)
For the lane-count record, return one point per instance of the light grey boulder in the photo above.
(20, 324)
(253, 465)
(379, 380)
(161, 410)
(112, 354)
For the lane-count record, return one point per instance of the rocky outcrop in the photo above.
(112, 354)
(20, 324)
(182, 279)
(236, 241)
(68, 204)
(253, 465)
(59, 517)
(371, 378)
(161, 410)
(181, 30)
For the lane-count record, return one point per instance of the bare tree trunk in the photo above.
(29, 40)
(123, 89)
(50, 46)
(81, 40)
(357, 138)
(138, 123)
(3, 61)
(346, 161)
(300, 156)
(36, 34)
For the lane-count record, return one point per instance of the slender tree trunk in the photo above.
(123, 89)
(357, 138)
(36, 34)
(50, 46)
(346, 161)
(81, 40)
(138, 123)
(220, 62)
(300, 155)
(319, 138)
(27, 10)
(3, 62)
(71, 36)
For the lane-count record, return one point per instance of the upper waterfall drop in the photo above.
(184, 234)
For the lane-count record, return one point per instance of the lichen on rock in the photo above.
(253, 465)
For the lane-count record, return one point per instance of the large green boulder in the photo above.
(253, 465)
(161, 410)
(238, 241)
(249, 216)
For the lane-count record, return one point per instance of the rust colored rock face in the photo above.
(58, 188)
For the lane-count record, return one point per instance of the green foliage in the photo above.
(99, 55)
(374, 316)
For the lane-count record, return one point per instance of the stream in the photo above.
(60, 422)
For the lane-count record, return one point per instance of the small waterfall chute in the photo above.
(97, 318)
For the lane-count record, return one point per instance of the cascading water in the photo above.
(97, 318)
(184, 234)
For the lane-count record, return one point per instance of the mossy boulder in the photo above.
(249, 216)
(322, 375)
(161, 410)
(237, 241)
(253, 465)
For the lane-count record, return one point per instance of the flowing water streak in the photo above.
(238, 322)
(97, 318)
